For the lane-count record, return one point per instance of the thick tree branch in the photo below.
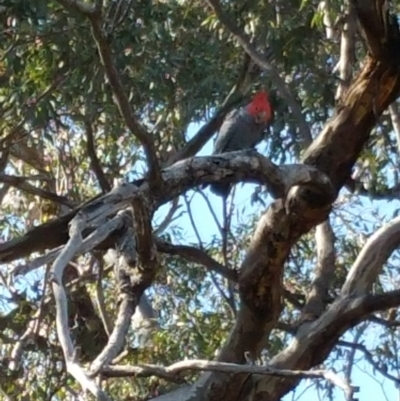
(62, 311)
(136, 268)
(263, 62)
(233, 167)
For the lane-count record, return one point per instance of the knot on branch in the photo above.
(308, 189)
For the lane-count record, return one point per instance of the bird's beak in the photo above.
(262, 117)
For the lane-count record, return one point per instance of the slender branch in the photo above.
(117, 337)
(94, 160)
(324, 271)
(350, 358)
(263, 62)
(384, 322)
(93, 12)
(369, 357)
(395, 117)
(121, 97)
(347, 50)
(172, 371)
(205, 133)
(100, 299)
(79, 6)
(198, 256)
(168, 218)
(20, 183)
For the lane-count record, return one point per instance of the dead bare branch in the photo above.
(76, 227)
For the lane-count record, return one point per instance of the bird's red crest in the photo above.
(260, 107)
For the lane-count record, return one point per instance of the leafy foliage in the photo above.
(177, 64)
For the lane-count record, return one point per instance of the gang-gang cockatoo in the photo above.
(242, 129)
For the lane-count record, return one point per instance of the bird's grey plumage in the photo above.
(238, 131)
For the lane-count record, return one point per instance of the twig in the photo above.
(211, 209)
(350, 359)
(228, 298)
(192, 222)
(262, 61)
(168, 218)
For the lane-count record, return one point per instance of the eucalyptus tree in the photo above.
(105, 108)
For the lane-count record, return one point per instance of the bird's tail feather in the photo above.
(220, 189)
